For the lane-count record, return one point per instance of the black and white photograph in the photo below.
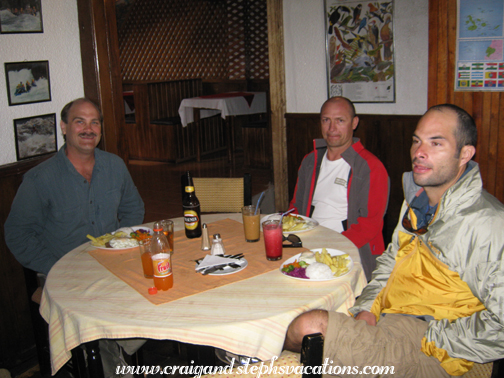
(35, 136)
(20, 16)
(28, 82)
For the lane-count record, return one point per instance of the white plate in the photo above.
(124, 249)
(228, 270)
(332, 252)
(310, 223)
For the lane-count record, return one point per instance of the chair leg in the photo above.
(498, 369)
(78, 363)
(95, 365)
(41, 333)
(312, 352)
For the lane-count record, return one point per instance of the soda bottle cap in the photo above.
(152, 290)
(157, 227)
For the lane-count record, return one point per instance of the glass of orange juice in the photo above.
(251, 223)
(146, 255)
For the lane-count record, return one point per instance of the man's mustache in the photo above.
(88, 134)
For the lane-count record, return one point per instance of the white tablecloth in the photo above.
(83, 301)
(227, 105)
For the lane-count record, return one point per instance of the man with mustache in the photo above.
(435, 304)
(342, 185)
(81, 190)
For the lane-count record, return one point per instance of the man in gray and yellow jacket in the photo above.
(435, 305)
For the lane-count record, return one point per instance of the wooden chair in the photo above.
(223, 195)
(313, 347)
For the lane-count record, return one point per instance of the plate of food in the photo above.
(121, 239)
(293, 223)
(319, 264)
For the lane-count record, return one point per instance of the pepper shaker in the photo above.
(205, 241)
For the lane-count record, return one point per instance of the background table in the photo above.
(227, 104)
(83, 301)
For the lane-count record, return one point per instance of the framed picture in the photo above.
(21, 17)
(35, 136)
(28, 82)
(360, 50)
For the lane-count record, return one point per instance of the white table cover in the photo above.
(83, 301)
(227, 106)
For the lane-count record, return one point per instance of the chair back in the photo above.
(223, 194)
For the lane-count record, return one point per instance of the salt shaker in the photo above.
(205, 241)
(217, 246)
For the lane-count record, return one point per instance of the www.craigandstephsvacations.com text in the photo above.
(257, 369)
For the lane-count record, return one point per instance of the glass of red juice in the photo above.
(272, 232)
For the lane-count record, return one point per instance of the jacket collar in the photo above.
(466, 187)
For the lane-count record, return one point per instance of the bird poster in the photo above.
(360, 50)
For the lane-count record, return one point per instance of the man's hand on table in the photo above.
(367, 316)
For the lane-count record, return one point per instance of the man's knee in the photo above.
(314, 321)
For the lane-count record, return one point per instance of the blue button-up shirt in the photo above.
(56, 207)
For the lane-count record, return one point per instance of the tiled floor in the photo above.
(160, 187)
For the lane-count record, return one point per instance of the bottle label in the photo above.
(161, 264)
(191, 219)
(189, 189)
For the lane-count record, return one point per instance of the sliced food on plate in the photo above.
(293, 222)
(318, 265)
(125, 237)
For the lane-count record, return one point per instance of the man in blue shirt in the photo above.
(82, 190)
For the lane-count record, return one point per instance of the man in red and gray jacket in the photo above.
(342, 185)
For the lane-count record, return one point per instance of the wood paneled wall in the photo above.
(386, 136)
(487, 108)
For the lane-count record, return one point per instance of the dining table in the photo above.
(228, 104)
(88, 297)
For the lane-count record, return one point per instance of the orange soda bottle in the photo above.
(161, 259)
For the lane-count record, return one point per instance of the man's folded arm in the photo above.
(479, 337)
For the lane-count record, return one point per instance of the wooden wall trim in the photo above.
(278, 101)
(487, 108)
(101, 70)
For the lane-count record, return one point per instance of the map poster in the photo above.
(480, 40)
(360, 50)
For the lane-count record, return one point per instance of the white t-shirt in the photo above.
(330, 197)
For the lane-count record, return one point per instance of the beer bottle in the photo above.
(192, 212)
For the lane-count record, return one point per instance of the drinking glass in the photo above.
(146, 256)
(273, 238)
(251, 223)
